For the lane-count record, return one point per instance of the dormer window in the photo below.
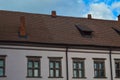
(84, 31)
(117, 30)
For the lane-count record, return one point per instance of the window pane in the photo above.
(74, 65)
(74, 73)
(30, 73)
(80, 73)
(117, 68)
(96, 73)
(95, 65)
(101, 73)
(51, 73)
(36, 64)
(101, 66)
(51, 64)
(57, 73)
(80, 65)
(1, 71)
(1, 63)
(117, 65)
(35, 73)
(29, 64)
(57, 65)
(117, 73)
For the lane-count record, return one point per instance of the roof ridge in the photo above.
(57, 15)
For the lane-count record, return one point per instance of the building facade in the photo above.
(51, 47)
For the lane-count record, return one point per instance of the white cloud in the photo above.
(101, 11)
(116, 7)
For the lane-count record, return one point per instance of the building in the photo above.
(52, 47)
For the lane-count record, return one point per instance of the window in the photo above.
(117, 68)
(33, 66)
(78, 68)
(2, 66)
(84, 31)
(99, 68)
(55, 70)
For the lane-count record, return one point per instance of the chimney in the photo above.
(89, 16)
(119, 18)
(53, 13)
(22, 29)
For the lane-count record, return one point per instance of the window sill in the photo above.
(2, 76)
(33, 77)
(117, 77)
(55, 77)
(79, 77)
(100, 77)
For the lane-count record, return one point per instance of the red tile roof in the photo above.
(61, 30)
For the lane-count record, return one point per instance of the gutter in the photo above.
(67, 73)
(110, 57)
(63, 45)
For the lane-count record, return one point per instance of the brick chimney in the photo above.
(89, 16)
(53, 13)
(119, 18)
(22, 28)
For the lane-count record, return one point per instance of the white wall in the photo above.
(16, 61)
(89, 67)
(115, 55)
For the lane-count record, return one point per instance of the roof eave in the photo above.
(59, 45)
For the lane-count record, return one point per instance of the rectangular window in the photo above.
(78, 68)
(2, 66)
(33, 66)
(117, 68)
(99, 68)
(55, 67)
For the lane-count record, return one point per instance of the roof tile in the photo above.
(45, 29)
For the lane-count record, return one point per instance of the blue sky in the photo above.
(100, 9)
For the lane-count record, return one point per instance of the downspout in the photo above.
(110, 57)
(67, 73)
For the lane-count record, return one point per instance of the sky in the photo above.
(99, 9)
